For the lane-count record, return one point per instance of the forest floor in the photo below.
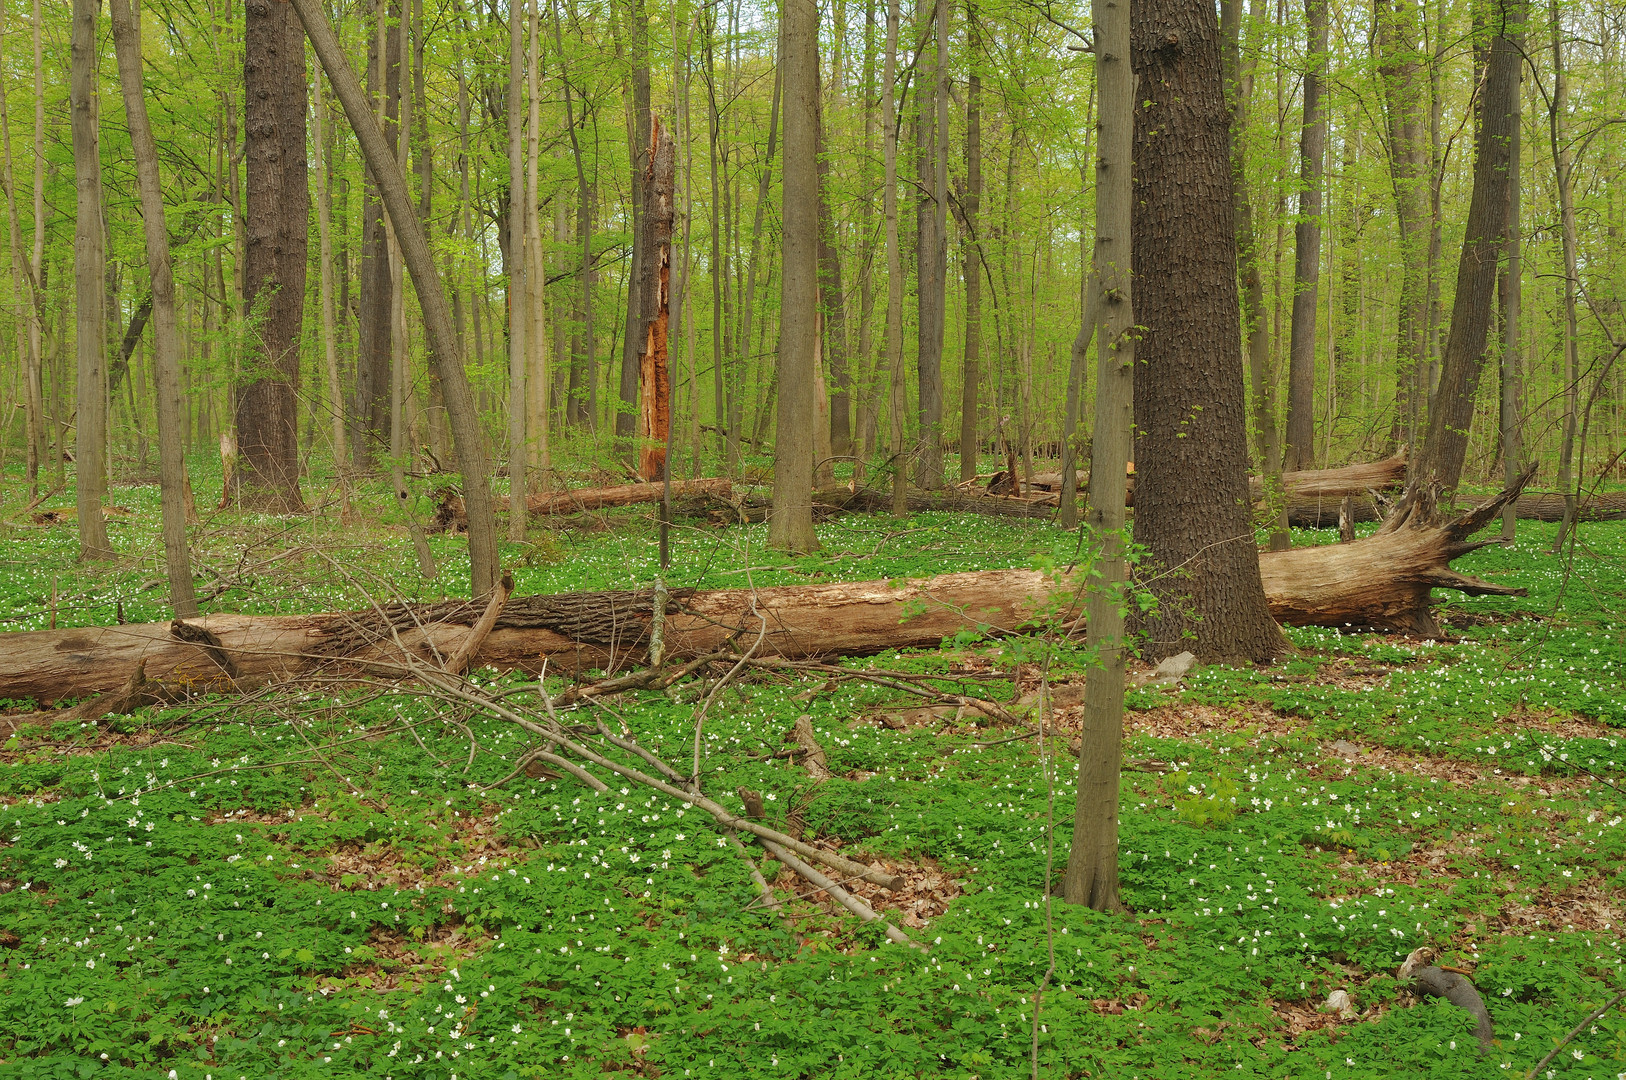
(335, 884)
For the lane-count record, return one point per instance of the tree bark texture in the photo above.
(639, 146)
(89, 266)
(1192, 509)
(1382, 582)
(790, 528)
(1444, 448)
(518, 299)
(1399, 72)
(371, 420)
(452, 515)
(277, 224)
(655, 303)
(970, 209)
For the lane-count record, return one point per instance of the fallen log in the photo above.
(1382, 582)
(451, 516)
(1549, 506)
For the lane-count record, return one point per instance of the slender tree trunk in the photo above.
(518, 305)
(971, 203)
(1510, 298)
(626, 419)
(894, 266)
(833, 306)
(1092, 860)
(1191, 484)
(25, 284)
(748, 306)
(1399, 73)
(437, 317)
(932, 258)
(90, 444)
(583, 404)
(373, 359)
(165, 330)
(330, 345)
(652, 333)
(868, 399)
(1300, 451)
(719, 287)
(1564, 181)
(538, 453)
(1256, 321)
(1446, 444)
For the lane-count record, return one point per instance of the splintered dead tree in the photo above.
(444, 351)
(655, 303)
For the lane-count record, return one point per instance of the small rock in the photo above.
(1346, 749)
(1177, 666)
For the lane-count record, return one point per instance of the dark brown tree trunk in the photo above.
(1300, 451)
(1192, 510)
(833, 304)
(1446, 445)
(277, 221)
(626, 420)
(89, 265)
(655, 300)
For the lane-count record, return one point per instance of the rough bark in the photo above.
(638, 152)
(1564, 181)
(1399, 74)
(1381, 582)
(655, 303)
(894, 265)
(1190, 436)
(1441, 457)
(371, 419)
(277, 223)
(970, 209)
(89, 258)
(518, 300)
(166, 352)
(833, 306)
(791, 526)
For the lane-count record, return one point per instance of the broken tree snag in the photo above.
(451, 515)
(654, 382)
(1383, 582)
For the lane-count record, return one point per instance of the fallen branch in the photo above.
(839, 895)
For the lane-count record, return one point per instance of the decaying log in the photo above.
(451, 515)
(1333, 484)
(1382, 582)
(1549, 506)
(948, 500)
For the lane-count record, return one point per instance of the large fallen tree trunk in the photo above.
(1381, 582)
(451, 515)
(1549, 506)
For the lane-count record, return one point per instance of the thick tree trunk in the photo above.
(278, 203)
(89, 259)
(1192, 462)
(1382, 582)
(1399, 73)
(370, 432)
(791, 526)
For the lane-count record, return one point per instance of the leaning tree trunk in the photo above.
(1382, 582)
(444, 351)
(1192, 513)
(1446, 445)
(166, 338)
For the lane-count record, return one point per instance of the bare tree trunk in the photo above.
(1400, 77)
(638, 144)
(833, 307)
(971, 203)
(1441, 458)
(165, 332)
(1300, 452)
(718, 266)
(1564, 181)
(518, 297)
(25, 286)
(894, 267)
(1092, 860)
(374, 361)
(443, 345)
(1191, 464)
(538, 454)
(1510, 297)
(330, 346)
(932, 256)
(90, 443)
(868, 398)
(790, 527)
(748, 303)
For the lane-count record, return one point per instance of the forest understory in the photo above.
(377, 878)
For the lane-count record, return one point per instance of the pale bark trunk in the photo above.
(1092, 861)
(971, 203)
(444, 353)
(1398, 71)
(330, 345)
(790, 528)
(894, 265)
(165, 331)
(932, 256)
(90, 444)
(1510, 297)
(736, 412)
(538, 454)
(25, 288)
(638, 144)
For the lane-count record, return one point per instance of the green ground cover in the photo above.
(322, 884)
